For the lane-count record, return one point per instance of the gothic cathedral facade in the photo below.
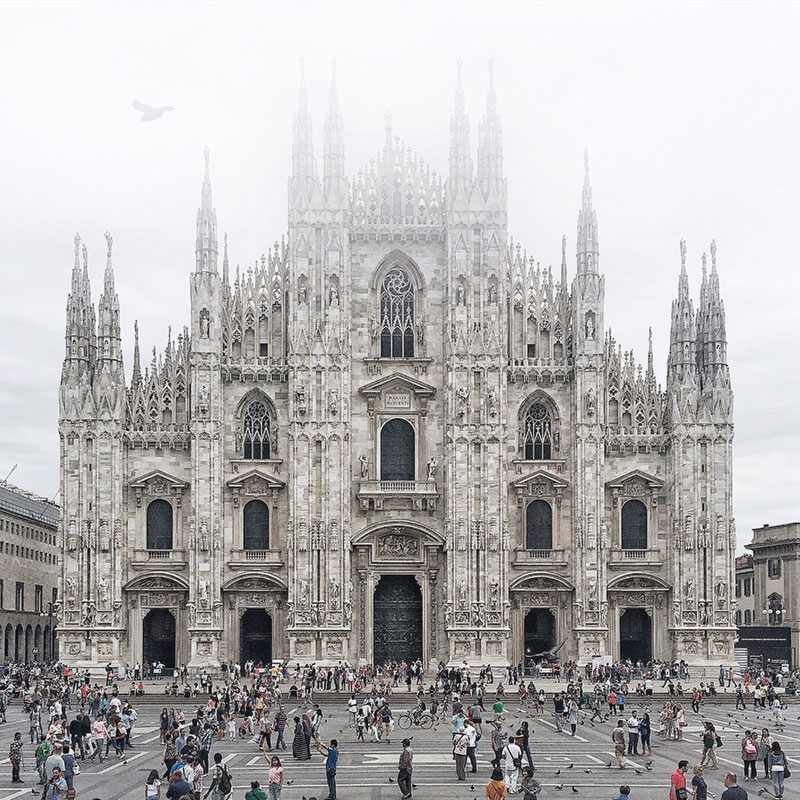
(395, 436)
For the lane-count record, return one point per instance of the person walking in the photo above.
(496, 788)
(558, 710)
(498, 737)
(280, 728)
(764, 750)
(572, 717)
(523, 737)
(15, 757)
(749, 754)
(221, 786)
(300, 743)
(512, 763)
(777, 768)
(152, 786)
(472, 743)
(404, 769)
(699, 787)
(530, 786)
(677, 782)
(709, 737)
(618, 737)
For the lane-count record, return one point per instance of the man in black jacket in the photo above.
(76, 735)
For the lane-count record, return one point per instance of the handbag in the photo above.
(719, 742)
(681, 794)
(786, 773)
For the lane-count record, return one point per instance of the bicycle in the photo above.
(425, 720)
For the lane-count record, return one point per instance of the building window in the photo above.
(747, 617)
(38, 598)
(738, 588)
(738, 618)
(159, 525)
(634, 525)
(256, 431)
(774, 567)
(397, 315)
(538, 434)
(2, 595)
(256, 525)
(747, 585)
(539, 526)
(20, 597)
(398, 458)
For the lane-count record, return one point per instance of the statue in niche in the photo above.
(103, 590)
(364, 463)
(722, 591)
(204, 537)
(604, 614)
(463, 397)
(494, 592)
(334, 591)
(333, 404)
(462, 594)
(676, 612)
(589, 325)
(603, 534)
(591, 587)
(689, 590)
(334, 295)
(303, 593)
(492, 294)
(374, 328)
(205, 323)
(347, 614)
(290, 614)
(105, 536)
(302, 294)
(203, 398)
(491, 400)
(591, 402)
(72, 591)
(300, 399)
(203, 592)
(460, 296)
(72, 534)
(432, 467)
(420, 334)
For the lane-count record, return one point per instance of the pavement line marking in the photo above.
(18, 793)
(252, 761)
(230, 757)
(151, 739)
(121, 764)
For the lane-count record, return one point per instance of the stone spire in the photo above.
(108, 331)
(460, 156)
(206, 246)
(564, 263)
(136, 375)
(490, 143)
(712, 336)
(588, 249)
(334, 183)
(225, 266)
(80, 328)
(682, 357)
(303, 171)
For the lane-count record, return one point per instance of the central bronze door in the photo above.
(397, 619)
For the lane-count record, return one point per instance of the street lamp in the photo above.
(777, 614)
(48, 612)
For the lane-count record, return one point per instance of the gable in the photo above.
(419, 388)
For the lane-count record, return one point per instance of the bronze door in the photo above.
(397, 619)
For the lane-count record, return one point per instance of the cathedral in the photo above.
(395, 436)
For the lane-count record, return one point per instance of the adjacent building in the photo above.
(768, 613)
(394, 435)
(30, 553)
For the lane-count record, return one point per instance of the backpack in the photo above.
(225, 786)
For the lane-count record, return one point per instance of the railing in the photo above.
(159, 555)
(255, 555)
(398, 487)
(541, 553)
(634, 555)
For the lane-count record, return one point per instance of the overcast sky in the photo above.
(690, 113)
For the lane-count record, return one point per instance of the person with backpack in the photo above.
(221, 784)
(749, 754)
(512, 764)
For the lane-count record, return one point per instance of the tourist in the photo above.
(618, 737)
(331, 753)
(764, 750)
(498, 738)
(169, 755)
(152, 786)
(221, 786)
(530, 786)
(523, 740)
(275, 777)
(677, 782)
(404, 769)
(624, 792)
(512, 763)
(749, 754)
(460, 744)
(680, 722)
(496, 789)
(178, 787)
(69, 765)
(644, 732)
(301, 749)
(15, 757)
(709, 736)
(56, 787)
(733, 790)
(255, 793)
(633, 734)
(572, 716)
(777, 769)
(699, 788)
(280, 728)
(558, 710)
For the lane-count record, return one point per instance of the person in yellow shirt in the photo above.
(496, 788)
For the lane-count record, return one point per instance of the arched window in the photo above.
(539, 526)
(159, 525)
(398, 462)
(634, 525)
(397, 315)
(538, 434)
(256, 431)
(256, 525)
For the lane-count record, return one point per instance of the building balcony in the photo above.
(241, 559)
(155, 558)
(393, 495)
(625, 559)
(522, 557)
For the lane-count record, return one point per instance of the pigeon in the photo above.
(649, 763)
(637, 771)
(414, 786)
(559, 787)
(149, 113)
(558, 772)
(609, 764)
(649, 769)
(471, 788)
(391, 780)
(570, 766)
(588, 771)
(574, 790)
(289, 783)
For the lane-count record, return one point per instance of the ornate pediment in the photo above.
(254, 583)
(158, 484)
(255, 484)
(539, 483)
(539, 582)
(636, 483)
(398, 393)
(157, 581)
(638, 583)
(419, 388)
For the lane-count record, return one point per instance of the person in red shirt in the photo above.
(677, 782)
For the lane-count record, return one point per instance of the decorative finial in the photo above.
(206, 156)
(85, 253)
(586, 159)
(491, 68)
(333, 69)
(704, 263)
(564, 245)
(683, 253)
(109, 242)
(77, 245)
(136, 330)
(459, 66)
(714, 255)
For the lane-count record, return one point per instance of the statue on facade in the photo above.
(303, 593)
(491, 401)
(589, 325)
(334, 295)
(203, 591)
(462, 594)
(364, 463)
(333, 403)
(205, 324)
(203, 399)
(591, 402)
(102, 590)
(432, 467)
(334, 591)
(73, 540)
(72, 590)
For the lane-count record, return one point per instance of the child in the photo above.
(232, 727)
(530, 786)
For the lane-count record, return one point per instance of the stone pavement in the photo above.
(367, 771)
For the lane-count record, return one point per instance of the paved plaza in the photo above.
(369, 770)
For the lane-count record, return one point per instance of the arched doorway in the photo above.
(397, 619)
(635, 635)
(540, 634)
(158, 637)
(255, 637)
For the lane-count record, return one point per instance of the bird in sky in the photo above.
(149, 113)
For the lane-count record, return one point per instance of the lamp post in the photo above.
(775, 614)
(48, 612)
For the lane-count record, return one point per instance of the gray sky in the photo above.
(690, 113)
